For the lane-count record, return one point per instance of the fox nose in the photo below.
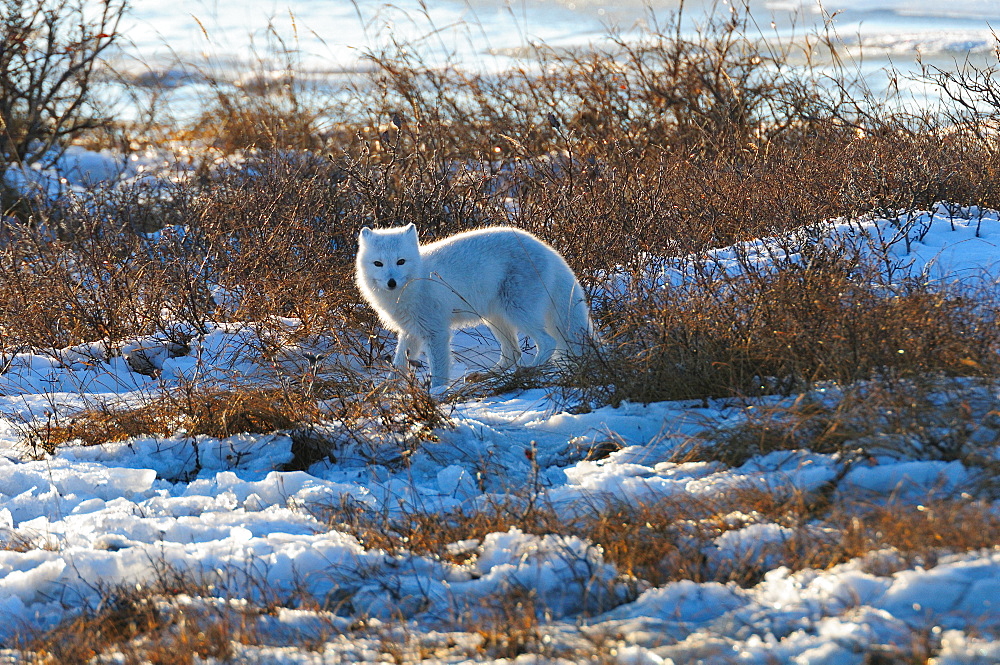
(392, 284)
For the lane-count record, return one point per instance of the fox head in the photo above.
(388, 259)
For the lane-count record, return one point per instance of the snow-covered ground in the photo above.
(334, 36)
(170, 45)
(87, 519)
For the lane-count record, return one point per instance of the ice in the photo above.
(752, 543)
(910, 476)
(684, 601)
(959, 587)
(30, 585)
(455, 480)
(636, 655)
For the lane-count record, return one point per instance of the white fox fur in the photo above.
(503, 277)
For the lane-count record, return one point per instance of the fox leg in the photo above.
(407, 346)
(510, 350)
(532, 324)
(546, 345)
(439, 355)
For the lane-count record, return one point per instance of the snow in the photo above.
(87, 518)
(326, 34)
(948, 245)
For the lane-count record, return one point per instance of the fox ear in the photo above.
(411, 229)
(366, 233)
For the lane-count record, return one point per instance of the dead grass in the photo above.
(669, 540)
(509, 625)
(426, 533)
(175, 620)
(664, 542)
(782, 332)
(921, 533)
(215, 412)
(145, 624)
(665, 148)
(926, 417)
(389, 421)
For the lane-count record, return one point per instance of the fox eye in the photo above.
(378, 264)
(400, 262)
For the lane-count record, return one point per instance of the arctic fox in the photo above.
(503, 277)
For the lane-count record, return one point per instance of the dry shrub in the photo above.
(265, 233)
(667, 148)
(667, 145)
(664, 147)
(210, 411)
(271, 106)
(508, 624)
(920, 533)
(398, 170)
(806, 424)
(643, 541)
(429, 533)
(385, 420)
(669, 539)
(781, 331)
(15, 541)
(54, 293)
(50, 55)
(257, 118)
(656, 542)
(274, 231)
(920, 418)
(405, 407)
(224, 413)
(147, 624)
(666, 541)
(388, 421)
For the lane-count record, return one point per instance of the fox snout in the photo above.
(391, 283)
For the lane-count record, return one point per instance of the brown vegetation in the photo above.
(621, 160)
